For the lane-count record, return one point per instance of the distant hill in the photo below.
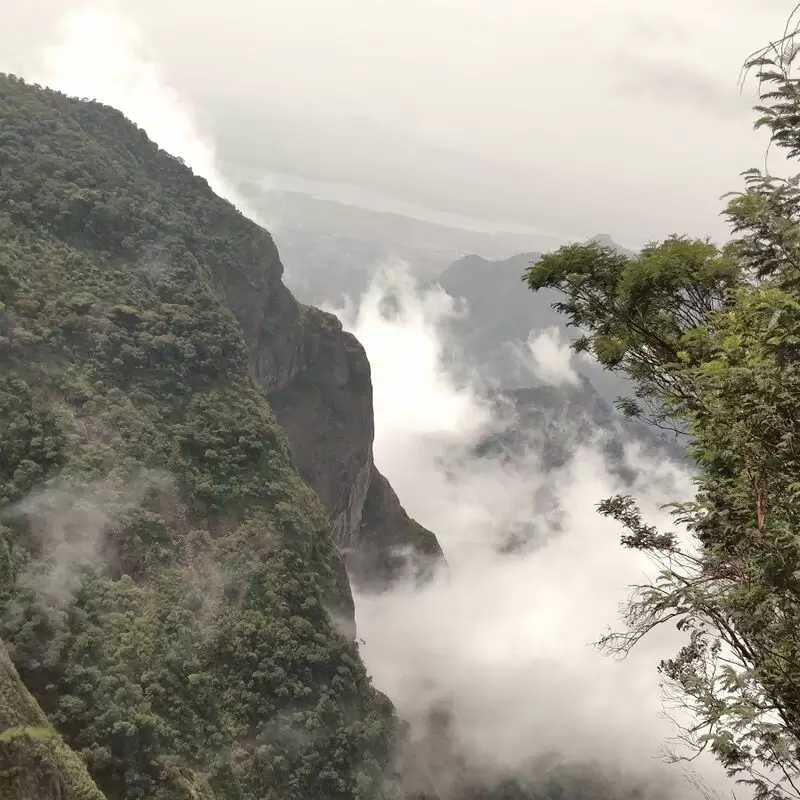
(607, 241)
(502, 314)
(331, 250)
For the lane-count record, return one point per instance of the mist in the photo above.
(68, 525)
(550, 357)
(503, 639)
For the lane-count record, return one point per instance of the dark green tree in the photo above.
(710, 338)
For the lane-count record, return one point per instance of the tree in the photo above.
(710, 338)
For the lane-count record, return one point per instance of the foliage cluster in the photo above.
(710, 337)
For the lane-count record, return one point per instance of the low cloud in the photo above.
(550, 357)
(503, 639)
(67, 524)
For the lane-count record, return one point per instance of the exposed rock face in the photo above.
(325, 407)
(326, 410)
(389, 544)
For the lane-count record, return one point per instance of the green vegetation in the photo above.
(168, 581)
(710, 337)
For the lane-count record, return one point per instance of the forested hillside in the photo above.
(172, 595)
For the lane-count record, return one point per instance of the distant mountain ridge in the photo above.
(501, 314)
(333, 249)
(606, 241)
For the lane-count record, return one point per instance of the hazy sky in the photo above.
(573, 116)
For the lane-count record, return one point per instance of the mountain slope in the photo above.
(174, 598)
(556, 420)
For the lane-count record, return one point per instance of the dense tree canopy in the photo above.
(710, 336)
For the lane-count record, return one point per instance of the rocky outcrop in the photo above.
(35, 764)
(317, 379)
(389, 545)
(326, 410)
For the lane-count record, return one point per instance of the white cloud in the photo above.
(400, 333)
(551, 357)
(504, 637)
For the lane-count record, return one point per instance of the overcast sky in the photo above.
(572, 116)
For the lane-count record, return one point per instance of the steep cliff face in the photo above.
(317, 379)
(326, 410)
(171, 590)
(380, 555)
